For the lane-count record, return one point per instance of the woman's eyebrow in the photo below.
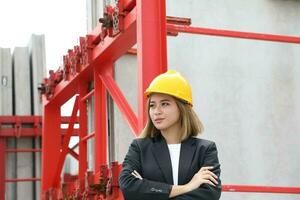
(165, 100)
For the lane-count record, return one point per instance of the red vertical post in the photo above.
(51, 144)
(100, 122)
(2, 167)
(152, 50)
(82, 133)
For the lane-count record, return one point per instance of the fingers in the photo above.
(137, 175)
(210, 178)
(207, 170)
(209, 182)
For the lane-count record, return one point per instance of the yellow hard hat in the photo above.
(171, 83)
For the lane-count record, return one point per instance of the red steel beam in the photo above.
(27, 119)
(89, 136)
(65, 145)
(151, 48)
(129, 4)
(51, 144)
(233, 34)
(100, 119)
(13, 180)
(87, 96)
(73, 153)
(22, 150)
(260, 189)
(110, 49)
(121, 101)
(29, 132)
(82, 105)
(2, 167)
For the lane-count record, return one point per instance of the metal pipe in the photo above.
(260, 189)
(233, 34)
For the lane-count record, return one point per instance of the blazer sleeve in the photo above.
(206, 191)
(134, 188)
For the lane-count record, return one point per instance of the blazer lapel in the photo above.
(161, 153)
(187, 152)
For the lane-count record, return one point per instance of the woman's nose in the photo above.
(157, 110)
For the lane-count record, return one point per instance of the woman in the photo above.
(167, 161)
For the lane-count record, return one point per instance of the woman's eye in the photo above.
(165, 104)
(151, 105)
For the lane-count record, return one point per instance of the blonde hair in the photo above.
(190, 123)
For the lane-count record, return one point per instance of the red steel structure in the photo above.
(141, 22)
(22, 126)
(131, 22)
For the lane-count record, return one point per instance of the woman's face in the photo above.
(163, 111)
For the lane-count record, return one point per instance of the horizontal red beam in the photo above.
(27, 119)
(233, 34)
(13, 180)
(260, 189)
(28, 132)
(22, 150)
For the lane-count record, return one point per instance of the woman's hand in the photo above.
(204, 175)
(136, 175)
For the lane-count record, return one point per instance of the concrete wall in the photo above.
(245, 91)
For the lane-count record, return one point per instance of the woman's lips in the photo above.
(158, 120)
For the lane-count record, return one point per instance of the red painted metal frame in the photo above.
(14, 180)
(2, 167)
(103, 55)
(233, 34)
(13, 126)
(260, 189)
(22, 150)
(144, 23)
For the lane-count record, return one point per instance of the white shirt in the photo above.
(174, 150)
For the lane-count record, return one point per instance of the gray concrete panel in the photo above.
(95, 11)
(22, 95)
(6, 108)
(126, 77)
(38, 72)
(6, 82)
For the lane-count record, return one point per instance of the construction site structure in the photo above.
(245, 87)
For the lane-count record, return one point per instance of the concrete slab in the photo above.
(23, 106)
(38, 72)
(6, 108)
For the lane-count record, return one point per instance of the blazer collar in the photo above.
(187, 153)
(162, 156)
(161, 153)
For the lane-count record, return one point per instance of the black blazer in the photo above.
(150, 157)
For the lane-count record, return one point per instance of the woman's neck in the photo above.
(172, 135)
